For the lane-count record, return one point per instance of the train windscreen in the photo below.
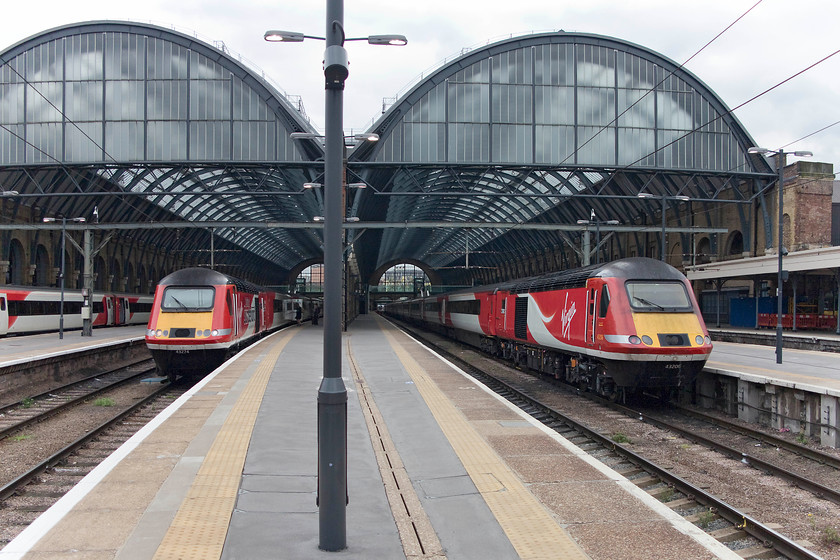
(658, 296)
(177, 298)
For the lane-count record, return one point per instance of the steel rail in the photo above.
(5, 432)
(12, 487)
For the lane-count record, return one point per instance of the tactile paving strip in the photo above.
(529, 527)
(199, 529)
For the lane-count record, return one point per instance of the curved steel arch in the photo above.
(489, 187)
(178, 83)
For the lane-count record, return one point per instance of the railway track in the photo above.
(17, 416)
(736, 528)
(742, 453)
(31, 493)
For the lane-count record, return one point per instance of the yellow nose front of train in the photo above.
(671, 330)
(182, 326)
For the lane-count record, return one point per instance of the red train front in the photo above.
(613, 328)
(200, 317)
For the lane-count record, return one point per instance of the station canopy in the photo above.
(494, 157)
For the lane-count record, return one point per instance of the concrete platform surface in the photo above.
(438, 467)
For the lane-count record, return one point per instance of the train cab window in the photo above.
(605, 301)
(504, 305)
(2, 304)
(184, 298)
(658, 296)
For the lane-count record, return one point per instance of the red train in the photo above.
(616, 328)
(201, 317)
(27, 310)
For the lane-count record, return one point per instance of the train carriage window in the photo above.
(186, 298)
(2, 304)
(605, 301)
(658, 296)
(467, 307)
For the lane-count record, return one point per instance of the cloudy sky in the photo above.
(772, 43)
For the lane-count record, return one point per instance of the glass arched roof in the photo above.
(543, 129)
(185, 129)
(500, 152)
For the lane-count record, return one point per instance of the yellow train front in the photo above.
(201, 317)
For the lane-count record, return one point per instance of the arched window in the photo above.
(42, 267)
(310, 280)
(404, 278)
(736, 244)
(16, 264)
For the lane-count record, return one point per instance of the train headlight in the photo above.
(708, 340)
(215, 332)
(647, 340)
(206, 332)
(635, 339)
(158, 333)
(699, 340)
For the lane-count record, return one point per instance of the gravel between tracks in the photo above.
(35, 443)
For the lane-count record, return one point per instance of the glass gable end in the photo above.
(566, 104)
(121, 96)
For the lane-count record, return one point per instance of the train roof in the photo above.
(204, 276)
(635, 268)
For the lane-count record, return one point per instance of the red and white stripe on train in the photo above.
(27, 310)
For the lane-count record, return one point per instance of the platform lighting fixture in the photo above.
(61, 270)
(597, 224)
(372, 137)
(332, 493)
(680, 197)
(8, 193)
(278, 36)
(780, 278)
(312, 185)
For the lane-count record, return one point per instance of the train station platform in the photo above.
(15, 349)
(438, 467)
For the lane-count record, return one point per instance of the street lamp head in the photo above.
(393, 40)
(803, 153)
(372, 137)
(13, 193)
(757, 150)
(48, 220)
(312, 185)
(357, 186)
(645, 195)
(305, 135)
(278, 36)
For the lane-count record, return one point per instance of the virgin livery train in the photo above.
(201, 317)
(618, 328)
(28, 310)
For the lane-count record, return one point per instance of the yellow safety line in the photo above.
(200, 526)
(529, 527)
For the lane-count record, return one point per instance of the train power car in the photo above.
(201, 317)
(618, 328)
(28, 310)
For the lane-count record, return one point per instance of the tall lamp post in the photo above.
(683, 198)
(61, 270)
(780, 164)
(587, 253)
(332, 394)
